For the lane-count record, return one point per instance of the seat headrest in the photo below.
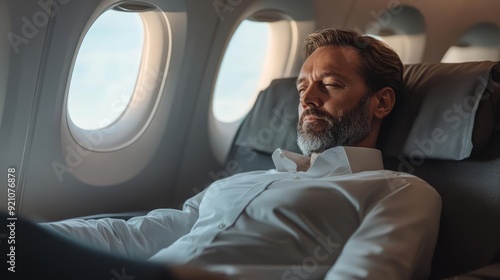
(272, 122)
(446, 111)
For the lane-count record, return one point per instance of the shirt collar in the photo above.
(337, 160)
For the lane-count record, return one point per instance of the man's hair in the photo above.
(380, 65)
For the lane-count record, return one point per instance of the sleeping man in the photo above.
(333, 205)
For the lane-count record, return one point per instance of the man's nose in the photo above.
(310, 97)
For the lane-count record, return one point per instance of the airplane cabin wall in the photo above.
(53, 189)
(21, 62)
(445, 21)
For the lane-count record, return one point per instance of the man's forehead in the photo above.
(335, 54)
(330, 61)
(332, 57)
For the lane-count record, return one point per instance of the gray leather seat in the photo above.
(445, 129)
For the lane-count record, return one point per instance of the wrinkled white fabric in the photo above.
(345, 211)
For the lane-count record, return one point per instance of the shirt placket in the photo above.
(239, 205)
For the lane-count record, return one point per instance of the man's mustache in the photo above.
(316, 113)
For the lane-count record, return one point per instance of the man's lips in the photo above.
(311, 118)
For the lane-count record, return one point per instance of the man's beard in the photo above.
(348, 130)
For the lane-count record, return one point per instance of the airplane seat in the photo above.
(444, 129)
(271, 123)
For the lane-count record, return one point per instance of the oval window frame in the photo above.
(407, 23)
(147, 90)
(283, 51)
(288, 30)
(475, 36)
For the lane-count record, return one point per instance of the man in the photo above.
(333, 206)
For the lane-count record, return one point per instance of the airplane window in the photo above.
(480, 42)
(240, 73)
(403, 29)
(106, 70)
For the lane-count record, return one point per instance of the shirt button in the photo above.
(222, 225)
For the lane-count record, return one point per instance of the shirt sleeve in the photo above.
(139, 237)
(396, 237)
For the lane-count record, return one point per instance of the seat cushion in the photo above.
(445, 111)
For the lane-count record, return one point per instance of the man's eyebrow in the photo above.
(333, 75)
(323, 75)
(299, 80)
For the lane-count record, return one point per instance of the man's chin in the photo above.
(314, 126)
(311, 142)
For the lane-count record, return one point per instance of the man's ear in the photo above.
(384, 100)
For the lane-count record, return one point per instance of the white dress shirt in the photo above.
(345, 211)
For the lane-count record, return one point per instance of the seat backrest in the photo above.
(444, 129)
